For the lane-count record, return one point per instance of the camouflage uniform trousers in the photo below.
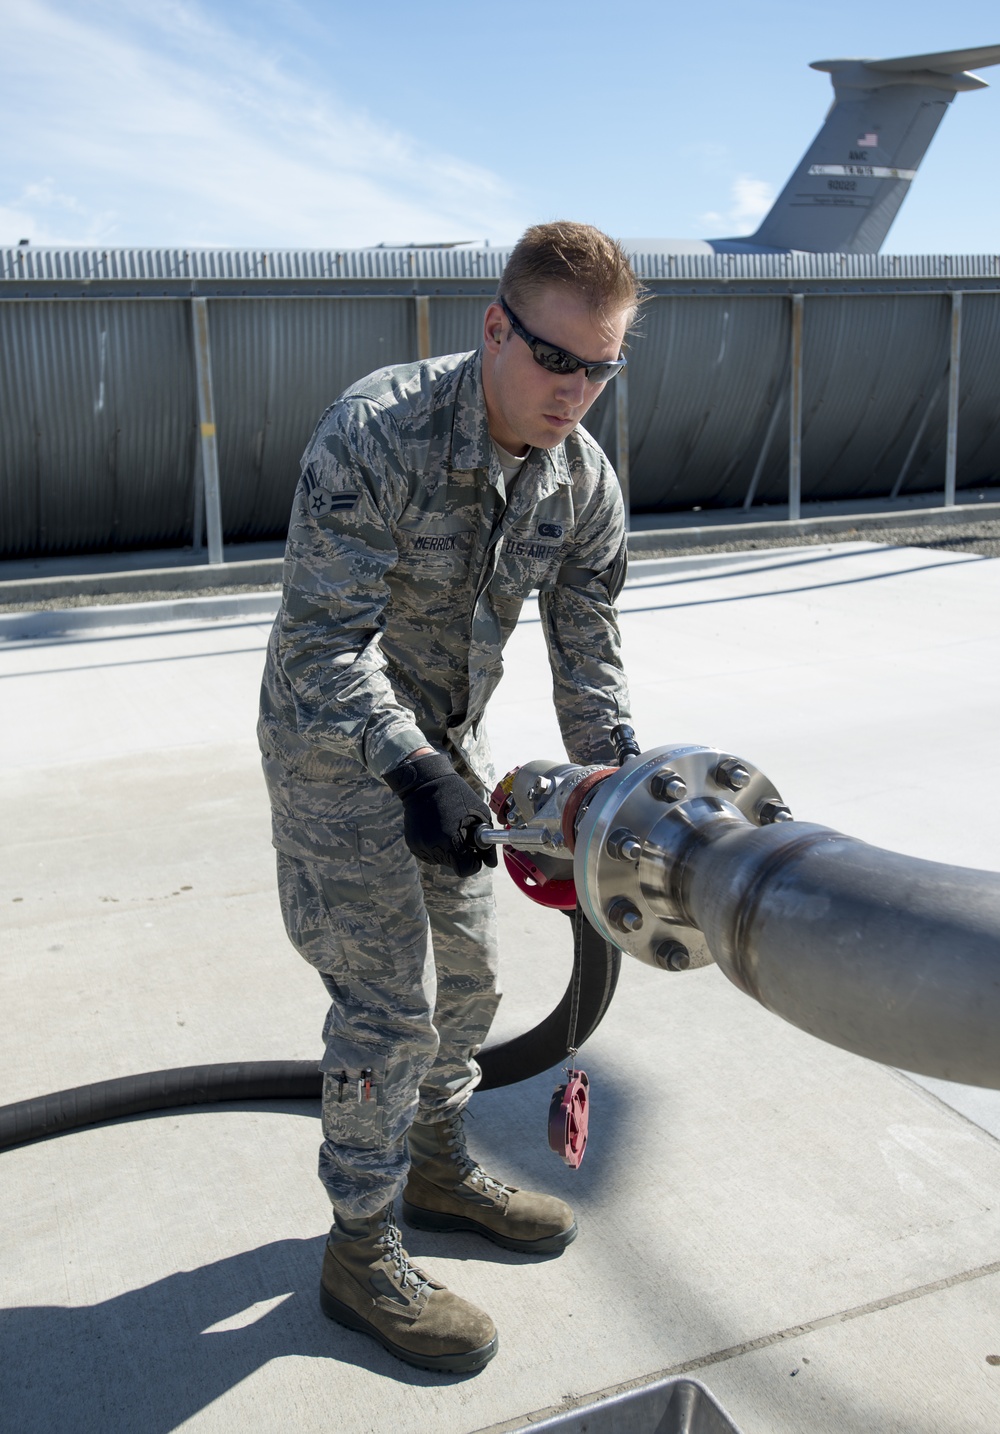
(408, 954)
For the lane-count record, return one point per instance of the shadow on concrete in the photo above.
(507, 1131)
(150, 1359)
(629, 610)
(136, 661)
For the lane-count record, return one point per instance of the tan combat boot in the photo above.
(369, 1284)
(447, 1190)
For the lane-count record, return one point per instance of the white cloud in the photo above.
(750, 199)
(44, 215)
(158, 125)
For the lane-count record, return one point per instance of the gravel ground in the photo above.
(114, 599)
(982, 538)
(973, 537)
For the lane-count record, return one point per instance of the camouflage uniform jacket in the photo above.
(406, 569)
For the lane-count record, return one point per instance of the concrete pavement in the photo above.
(814, 1237)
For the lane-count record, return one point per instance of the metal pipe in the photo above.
(795, 413)
(954, 366)
(206, 428)
(523, 838)
(685, 855)
(885, 955)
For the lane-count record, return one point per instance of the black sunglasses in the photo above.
(557, 360)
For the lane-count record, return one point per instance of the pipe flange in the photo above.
(663, 798)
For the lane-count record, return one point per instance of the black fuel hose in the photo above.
(515, 1060)
(546, 1044)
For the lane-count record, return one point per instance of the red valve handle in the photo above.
(569, 1115)
(553, 891)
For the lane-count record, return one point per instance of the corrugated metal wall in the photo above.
(97, 437)
(98, 417)
(706, 373)
(263, 265)
(277, 364)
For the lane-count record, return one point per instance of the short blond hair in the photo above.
(580, 257)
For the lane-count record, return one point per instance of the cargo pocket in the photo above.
(306, 914)
(328, 914)
(353, 1094)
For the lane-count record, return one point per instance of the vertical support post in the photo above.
(209, 452)
(954, 364)
(198, 517)
(621, 442)
(423, 304)
(795, 415)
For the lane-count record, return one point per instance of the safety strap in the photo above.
(579, 930)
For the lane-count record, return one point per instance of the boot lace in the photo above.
(407, 1276)
(468, 1168)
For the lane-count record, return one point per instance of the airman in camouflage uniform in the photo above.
(410, 553)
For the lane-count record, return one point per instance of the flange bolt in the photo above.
(672, 956)
(623, 845)
(731, 773)
(773, 810)
(667, 786)
(623, 916)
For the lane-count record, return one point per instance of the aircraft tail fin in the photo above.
(852, 180)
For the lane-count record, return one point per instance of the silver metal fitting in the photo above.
(542, 786)
(773, 811)
(667, 786)
(668, 801)
(623, 846)
(524, 838)
(625, 917)
(672, 956)
(732, 774)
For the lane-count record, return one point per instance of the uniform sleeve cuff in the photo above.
(395, 749)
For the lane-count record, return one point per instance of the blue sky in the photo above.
(336, 125)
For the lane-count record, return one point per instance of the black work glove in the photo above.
(441, 814)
